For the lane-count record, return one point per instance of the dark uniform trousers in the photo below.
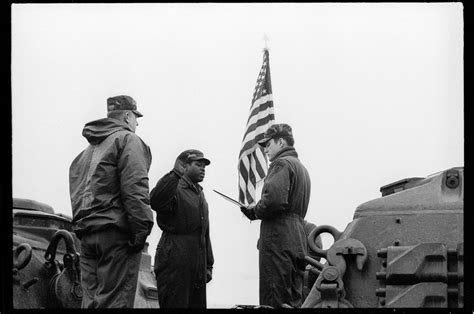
(109, 271)
(180, 268)
(281, 261)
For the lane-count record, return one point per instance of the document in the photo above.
(230, 199)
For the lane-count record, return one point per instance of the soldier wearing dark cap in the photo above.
(108, 184)
(281, 209)
(184, 259)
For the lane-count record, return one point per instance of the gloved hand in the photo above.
(179, 166)
(249, 212)
(208, 275)
(137, 244)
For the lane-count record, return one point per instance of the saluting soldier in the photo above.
(184, 259)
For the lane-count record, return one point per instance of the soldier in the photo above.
(184, 259)
(108, 184)
(281, 209)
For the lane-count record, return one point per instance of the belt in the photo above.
(291, 215)
(192, 233)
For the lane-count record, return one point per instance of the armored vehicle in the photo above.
(46, 272)
(404, 249)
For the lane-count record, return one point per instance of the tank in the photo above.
(402, 250)
(46, 254)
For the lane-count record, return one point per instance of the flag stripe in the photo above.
(259, 119)
(243, 170)
(250, 187)
(262, 121)
(260, 105)
(254, 136)
(259, 155)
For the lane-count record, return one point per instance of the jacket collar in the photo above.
(287, 151)
(177, 173)
(187, 183)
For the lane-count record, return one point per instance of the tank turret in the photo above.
(404, 249)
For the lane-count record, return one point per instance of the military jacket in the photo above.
(108, 181)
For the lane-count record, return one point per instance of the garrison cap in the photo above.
(123, 102)
(193, 155)
(276, 130)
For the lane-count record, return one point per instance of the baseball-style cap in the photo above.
(193, 155)
(123, 102)
(276, 130)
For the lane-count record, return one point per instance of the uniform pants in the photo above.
(170, 296)
(109, 272)
(180, 272)
(282, 248)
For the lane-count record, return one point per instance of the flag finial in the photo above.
(265, 41)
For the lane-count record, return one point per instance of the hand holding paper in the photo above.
(249, 212)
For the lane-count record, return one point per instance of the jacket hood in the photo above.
(96, 131)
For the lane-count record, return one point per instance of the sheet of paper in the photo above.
(230, 199)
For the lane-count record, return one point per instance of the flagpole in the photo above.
(265, 41)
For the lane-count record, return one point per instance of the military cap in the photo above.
(193, 155)
(123, 102)
(276, 130)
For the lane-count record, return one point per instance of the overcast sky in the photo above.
(374, 93)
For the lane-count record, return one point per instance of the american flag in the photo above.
(253, 164)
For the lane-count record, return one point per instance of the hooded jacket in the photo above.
(108, 181)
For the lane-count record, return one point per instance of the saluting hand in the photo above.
(179, 166)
